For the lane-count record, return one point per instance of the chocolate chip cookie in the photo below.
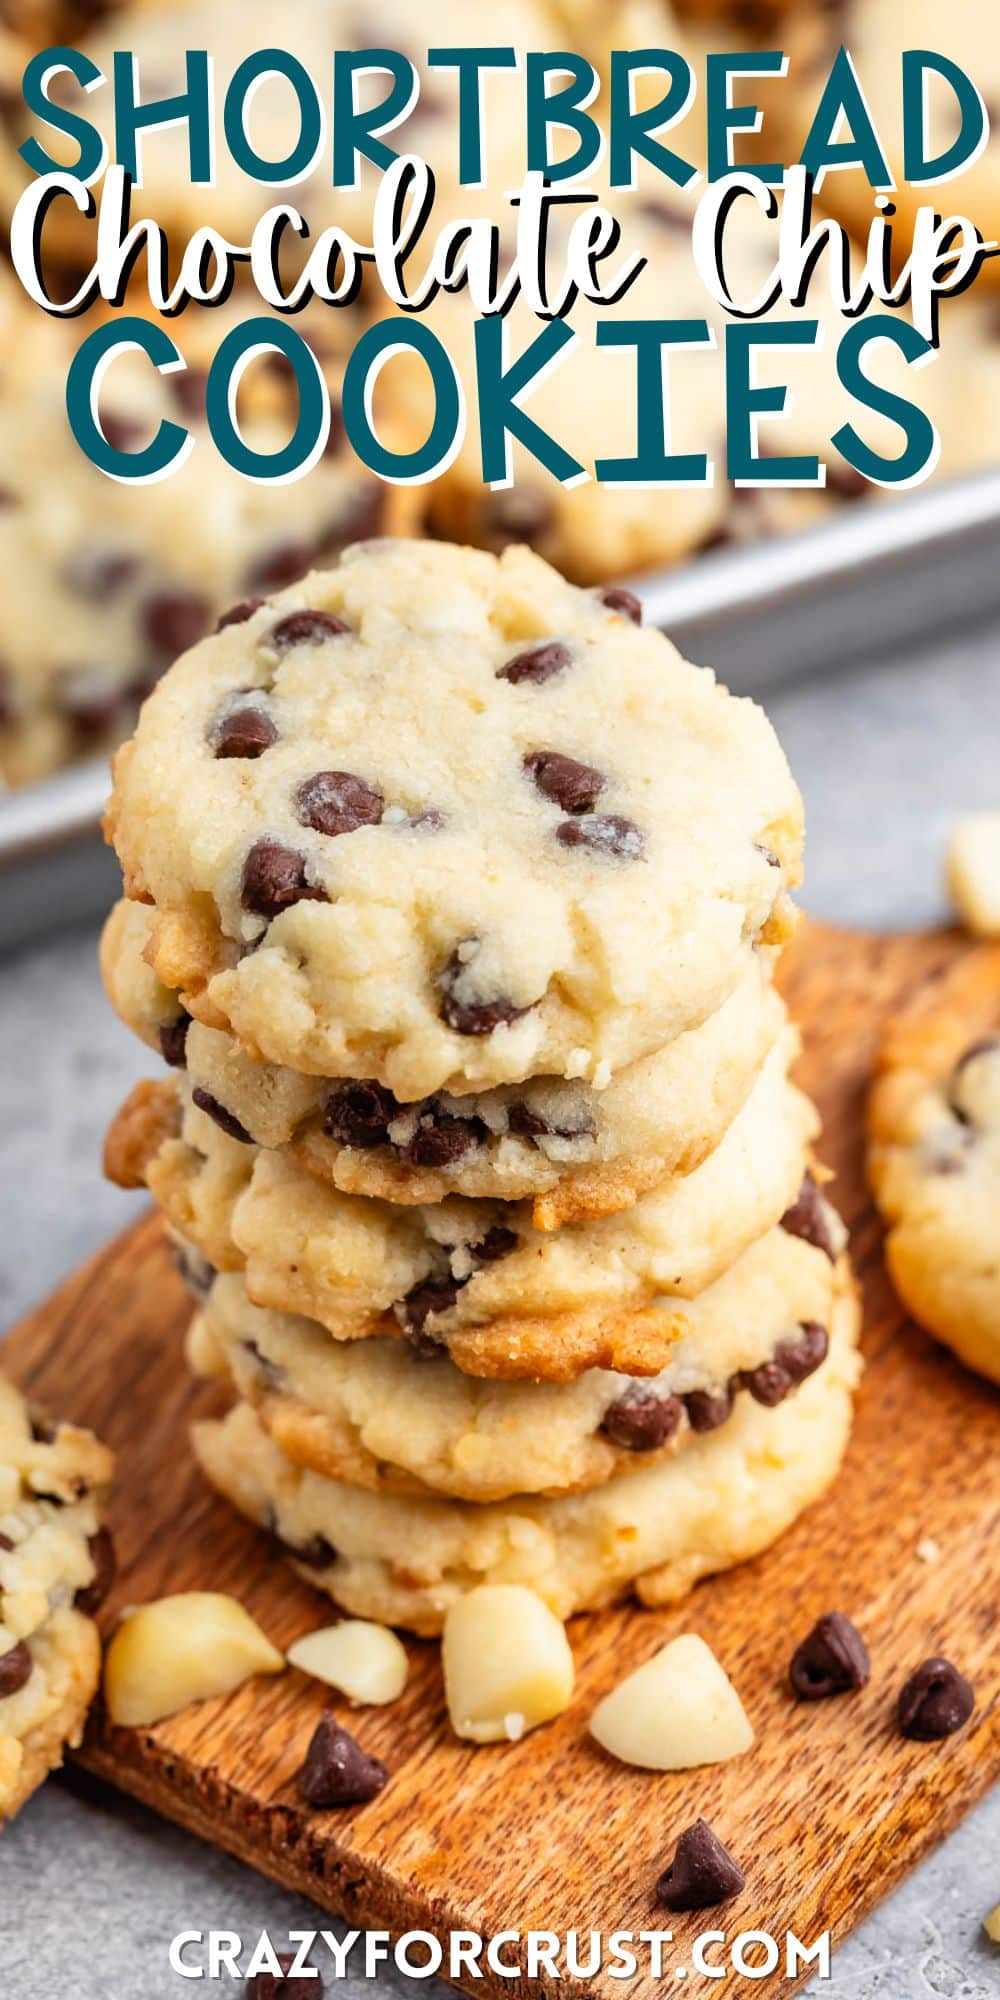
(390, 1417)
(475, 1278)
(934, 1158)
(56, 1562)
(573, 1151)
(501, 830)
(653, 1532)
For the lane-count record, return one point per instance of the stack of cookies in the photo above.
(454, 899)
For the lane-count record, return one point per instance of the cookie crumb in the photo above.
(991, 1924)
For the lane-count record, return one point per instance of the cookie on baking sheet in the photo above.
(934, 1158)
(380, 1415)
(55, 1565)
(473, 1277)
(404, 1560)
(571, 1150)
(127, 583)
(498, 829)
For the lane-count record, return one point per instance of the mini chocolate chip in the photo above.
(44, 1430)
(603, 833)
(525, 1123)
(790, 1364)
(198, 1274)
(432, 1295)
(5, 1542)
(90, 701)
(188, 387)
(472, 1016)
(844, 481)
(223, 1118)
(242, 729)
(337, 1772)
(441, 1138)
(517, 514)
(173, 1040)
(334, 802)
(705, 1411)
(306, 628)
(361, 518)
(641, 1420)
(239, 613)
(702, 1872)
(538, 664)
(96, 573)
(269, 1371)
(16, 1668)
(986, 1046)
(832, 1660)
(625, 601)
(315, 1554)
(528, 1124)
(274, 878)
(279, 1986)
(102, 1555)
(498, 1242)
(936, 1701)
(279, 565)
(809, 1218)
(768, 854)
(801, 1357)
(575, 787)
(173, 620)
(120, 432)
(359, 1114)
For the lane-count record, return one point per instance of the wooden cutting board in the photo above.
(829, 1809)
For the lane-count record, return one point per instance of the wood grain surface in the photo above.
(827, 1811)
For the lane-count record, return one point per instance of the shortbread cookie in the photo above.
(127, 581)
(934, 1158)
(55, 1563)
(655, 1531)
(555, 847)
(474, 1277)
(376, 1414)
(572, 1150)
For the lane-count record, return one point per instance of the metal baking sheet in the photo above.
(882, 575)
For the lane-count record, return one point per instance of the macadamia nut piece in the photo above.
(507, 1663)
(366, 1662)
(181, 1649)
(678, 1710)
(972, 867)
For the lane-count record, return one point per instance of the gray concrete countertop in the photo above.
(888, 756)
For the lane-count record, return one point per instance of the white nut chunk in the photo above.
(366, 1662)
(991, 1925)
(507, 1663)
(678, 1710)
(181, 1649)
(972, 867)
